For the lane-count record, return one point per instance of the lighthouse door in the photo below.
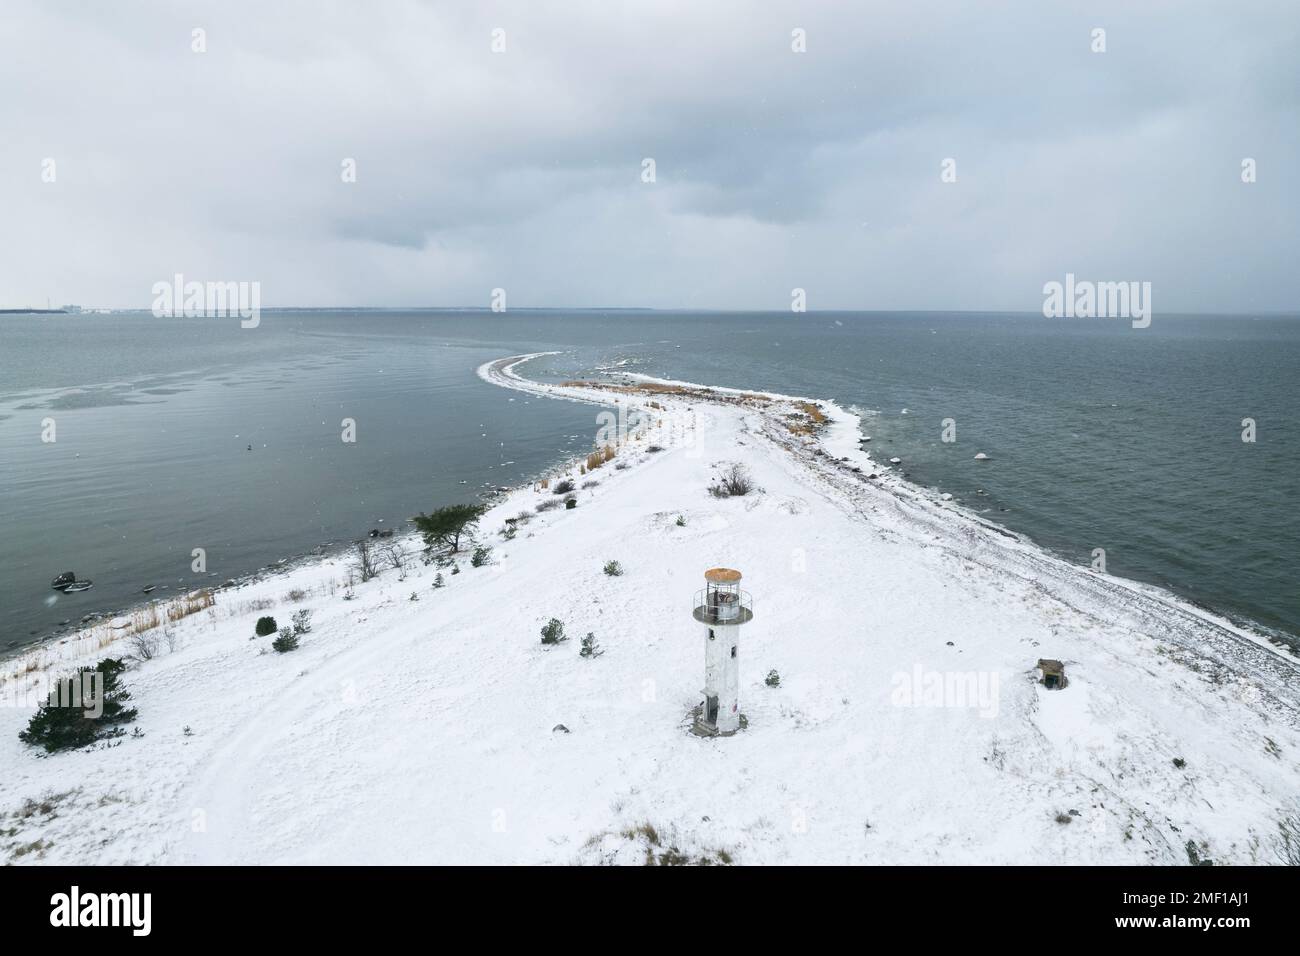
(711, 710)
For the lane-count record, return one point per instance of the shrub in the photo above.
(287, 641)
(681, 521)
(145, 645)
(590, 484)
(482, 555)
(1194, 857)
(367, 559)
(296, 595)
(265, 626)
(302, 622)
(444, 526)
(655, 448)
(548, 505)
(562, 487)
(1288, 849)
(62, 722)
(733, 482)
(773, 679)
(613, 569)
(589, 646)
(553, 631)
(509, 532)
(438, 581)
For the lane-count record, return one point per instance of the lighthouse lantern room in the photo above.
(722, 607)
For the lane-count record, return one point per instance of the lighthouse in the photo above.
(722, 607)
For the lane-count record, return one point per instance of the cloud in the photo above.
(774, 169)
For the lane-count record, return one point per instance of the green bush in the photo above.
(67, 720)
(482, 555)
(613, 569)
(553, 631)
(773, 679)
(265, 626)
(287, 641)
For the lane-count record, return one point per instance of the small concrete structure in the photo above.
(1053, 674)
(721, 607)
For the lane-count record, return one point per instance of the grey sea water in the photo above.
(1100, 435)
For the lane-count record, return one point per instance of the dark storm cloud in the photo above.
(774, 169)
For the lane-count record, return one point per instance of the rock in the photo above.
(63, 580)
(895, 461)
(945, 497)
(559, 729)
(982, 457)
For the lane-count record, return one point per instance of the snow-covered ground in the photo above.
(419, 725)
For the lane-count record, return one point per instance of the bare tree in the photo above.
(366, 559)
(393, 555)
(145, 645)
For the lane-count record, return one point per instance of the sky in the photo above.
(127, 156)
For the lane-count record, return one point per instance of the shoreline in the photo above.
(842, 444)
(839, 446)
(409, 694)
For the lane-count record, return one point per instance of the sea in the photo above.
(132, 446)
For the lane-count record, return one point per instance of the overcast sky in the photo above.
(774, 169)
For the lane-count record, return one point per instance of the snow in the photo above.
(422, 731)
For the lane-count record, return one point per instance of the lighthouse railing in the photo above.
(723, 606)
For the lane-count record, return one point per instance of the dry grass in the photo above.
(143, 619)
(240, 608)
(808, 419)
(682, 391)
(187, 604)
(659, 852)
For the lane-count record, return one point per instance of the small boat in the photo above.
(76, 586)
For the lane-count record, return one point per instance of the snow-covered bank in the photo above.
(424, 730)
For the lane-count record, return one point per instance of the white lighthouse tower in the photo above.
(721, 607)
